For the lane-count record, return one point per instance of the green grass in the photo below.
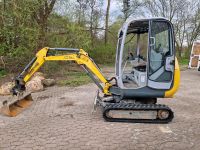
(183, 61)
(74, 79)
(2, 73)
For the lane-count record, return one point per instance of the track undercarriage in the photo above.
(134, 111)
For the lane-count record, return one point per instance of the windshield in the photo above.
(160, 48)
(134, 57)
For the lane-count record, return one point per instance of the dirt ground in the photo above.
(62, 118)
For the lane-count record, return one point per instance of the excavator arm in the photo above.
(77, 55)
(24, 99)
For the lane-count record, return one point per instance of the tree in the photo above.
(81, 9)
(18, 33)
(106, 21)
(130, 7)
(92, 5)
(41, 15)
(95, 14)
(193, 29)
(163, 8)
(180, 26)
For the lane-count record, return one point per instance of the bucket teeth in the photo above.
(16, 107)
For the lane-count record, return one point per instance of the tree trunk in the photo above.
(41, 16)
(91, 27)
(42, 41)
(179, 49)
(188, 52)
(106, 22)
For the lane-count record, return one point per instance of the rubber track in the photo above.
(128, 106)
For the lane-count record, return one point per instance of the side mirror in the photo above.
(169, 63)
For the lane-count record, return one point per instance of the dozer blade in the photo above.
(13, 107)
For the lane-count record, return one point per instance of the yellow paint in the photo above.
(170, 93)
(80, 58)
(37, 64)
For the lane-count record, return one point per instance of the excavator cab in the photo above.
(145, 58)
(146, 69)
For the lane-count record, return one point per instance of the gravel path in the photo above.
(62, 118)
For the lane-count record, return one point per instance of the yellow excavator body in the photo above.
(153, 74)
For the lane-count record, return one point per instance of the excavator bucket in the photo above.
(13, 107)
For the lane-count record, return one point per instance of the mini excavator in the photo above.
(146, 69)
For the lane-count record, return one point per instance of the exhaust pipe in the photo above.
(12, 108)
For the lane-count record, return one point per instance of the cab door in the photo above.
(161, 54)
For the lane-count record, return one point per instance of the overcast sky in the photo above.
(114, 9)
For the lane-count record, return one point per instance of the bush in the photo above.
(2, 73)
(103, 54)
(183, 61)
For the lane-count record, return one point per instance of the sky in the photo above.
(114, 9)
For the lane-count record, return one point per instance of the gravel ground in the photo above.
(62, 118)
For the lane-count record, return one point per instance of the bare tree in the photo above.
(193, 29)
(95, 15)
(92, 7)
(81, 8)
(163, 8)
(180, 26)
(41, 16)
(106, 21)
(130, 7)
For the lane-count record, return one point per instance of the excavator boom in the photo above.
(14, 107)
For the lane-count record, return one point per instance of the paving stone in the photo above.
(50, 124)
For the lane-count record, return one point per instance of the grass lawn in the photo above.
(183, 61)
(74, 79)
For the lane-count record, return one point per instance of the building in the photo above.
(195, 55)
